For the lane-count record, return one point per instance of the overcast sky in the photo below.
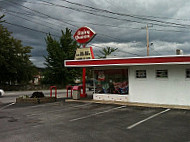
(118, 24)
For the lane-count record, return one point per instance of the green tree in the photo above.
(15, 66)
(107, 51)
(58, 52)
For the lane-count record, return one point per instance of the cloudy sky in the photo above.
(118, 24)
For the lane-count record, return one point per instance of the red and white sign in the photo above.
(84, 35)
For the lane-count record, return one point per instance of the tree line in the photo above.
(16, 67)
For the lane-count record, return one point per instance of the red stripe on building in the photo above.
(128, 61)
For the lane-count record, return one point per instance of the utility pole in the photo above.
(147, 37)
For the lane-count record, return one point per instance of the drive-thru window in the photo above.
(111, 81)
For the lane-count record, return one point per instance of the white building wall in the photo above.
(174, 90)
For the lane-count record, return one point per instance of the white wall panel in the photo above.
(172, 90)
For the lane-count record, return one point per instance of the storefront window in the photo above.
(112, 81)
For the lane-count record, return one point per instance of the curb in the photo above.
(132, 104)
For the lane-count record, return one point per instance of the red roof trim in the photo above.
(129, 61)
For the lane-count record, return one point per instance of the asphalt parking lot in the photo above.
(84, 122)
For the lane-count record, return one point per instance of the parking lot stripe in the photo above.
(81, 105)
(66, 108)
(6, 106)
(150, 117)
(42, 105)
(94, 114)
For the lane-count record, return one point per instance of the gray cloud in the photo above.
(121, 34)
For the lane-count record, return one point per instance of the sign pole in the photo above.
(84, 35)
(84, 82)
(84, 78)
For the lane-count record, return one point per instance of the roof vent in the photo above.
(179, 52)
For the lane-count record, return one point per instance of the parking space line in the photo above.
(94, 114)
(76, 106)
(150, 117)
(81, 105)
(42, 105)
(50, 104)
(7, 106)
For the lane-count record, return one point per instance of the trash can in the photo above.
(76, 92)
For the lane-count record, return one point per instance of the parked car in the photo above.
(1, 92)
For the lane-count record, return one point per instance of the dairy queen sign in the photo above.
(84, 35)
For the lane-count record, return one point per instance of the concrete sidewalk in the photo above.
(90, 100)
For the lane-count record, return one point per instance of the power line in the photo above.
(47, 4)
(121, 27)
(55, 35)
(110, 37)
(29, 28)
(163, 17)
(105, 16)
(115, 38)
(155, 50)
(16, 12)
(96, 24)
(120, 50)
(131, 53)
(122, 14)
(160, 30)
(52, 17)
(58, 36)
(32, 21)
(156, 17)
(47, 33)
(41, 13)
(32, 16)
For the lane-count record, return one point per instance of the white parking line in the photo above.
(150, 117)
(7, 106)
(50, 104)
(80, 105)
(94, 114)
(66, 108)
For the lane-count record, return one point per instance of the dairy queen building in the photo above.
(160, 80)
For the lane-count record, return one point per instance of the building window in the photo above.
(111, 81)
(140, 73)
(187, 73)
(162, 73)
